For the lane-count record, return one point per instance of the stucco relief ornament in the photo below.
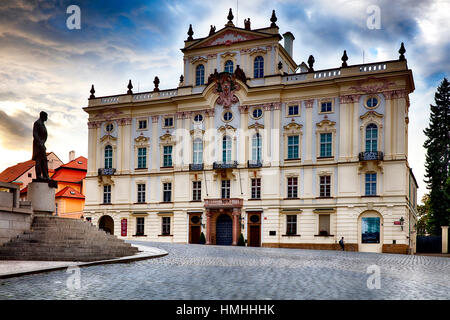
(373, 88)
(225, 87)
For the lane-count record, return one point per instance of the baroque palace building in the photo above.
(251, 143)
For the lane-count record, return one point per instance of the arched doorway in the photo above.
(370, 232)
(106, 223)
(224, 230)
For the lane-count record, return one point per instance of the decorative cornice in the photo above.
(395, 94)
(94, 124)
(374, 88)
(124, 121)
(351, 98)
(107, 115)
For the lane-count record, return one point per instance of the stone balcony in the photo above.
(370, 155)
(227, 203)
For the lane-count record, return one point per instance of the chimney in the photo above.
(71, 155)
(288, 42)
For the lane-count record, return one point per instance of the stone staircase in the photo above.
(61, 239)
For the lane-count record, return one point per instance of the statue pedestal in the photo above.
(42, 197)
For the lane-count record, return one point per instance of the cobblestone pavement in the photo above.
(215, 272)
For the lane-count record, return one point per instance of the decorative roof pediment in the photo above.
(228, 36)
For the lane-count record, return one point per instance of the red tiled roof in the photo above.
(24, 190)
(78, 163)
(68, 175)
(69, 192)
(12, 173)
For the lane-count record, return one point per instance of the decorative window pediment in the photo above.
(256, 126)
(227, 54)
(292, 128)
(167, 139)
(257, 51)
(108, 138)
(326, 126)
(141, 140)
(226, 128)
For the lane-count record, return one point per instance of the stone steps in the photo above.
(60, 239)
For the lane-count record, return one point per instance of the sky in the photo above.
(46, 66)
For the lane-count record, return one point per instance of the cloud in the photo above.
(15, 131)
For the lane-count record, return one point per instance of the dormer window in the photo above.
(229, 66)
(200, 75)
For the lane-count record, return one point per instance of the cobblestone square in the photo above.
(225, 272)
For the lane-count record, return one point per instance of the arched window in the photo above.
(258, 67)
(228, 66)
(226, 149)
(256, 147)
(200, 75)
(108, 157)
(371, 137)
(198, 151)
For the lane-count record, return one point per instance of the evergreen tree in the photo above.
(437, 159)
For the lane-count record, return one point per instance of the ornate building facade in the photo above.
(251, 143)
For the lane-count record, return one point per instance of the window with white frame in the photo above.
(371, 184)
(326, 145)
(291, 224)
(108, 157)
(292, 187)
(141, 193)
(166, 226)
(142, 158)
(226, 149)
(168, 122)
(326, 106)
(325, 186)
(293, 147)
(229, 66)
(371, 138)
(256, 147)
(107, 194)
(167, 192)
(142, 124)
(197, 151)
(258, 67)
(200, 75)
(167, 156)
(226, 189)
(293, 110)
(140, 224)
(196, 190)
(256, 188)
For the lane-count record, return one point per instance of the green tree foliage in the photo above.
(423, 212)
(241, 241)
(437, 161)
(202, 239)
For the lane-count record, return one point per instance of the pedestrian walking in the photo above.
(341, 243)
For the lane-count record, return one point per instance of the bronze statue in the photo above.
(39, 150)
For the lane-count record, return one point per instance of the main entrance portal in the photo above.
(224, 230)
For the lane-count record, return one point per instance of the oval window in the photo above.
(257, 113)
(198, 118)
(372, 102)
(195, 219)
(109, 127)
(227, 116)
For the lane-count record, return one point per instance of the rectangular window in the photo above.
(293, 147)
(196, 190)
(326, 106)
(140, 226)
(168, 122)
(142, 158)
(371, 184)
(324, 224)
(293, 110)
(107, 194)
(291, 224)
(225, 189)
(325, 145)
(167, 192)
(166, 226)
(292, 187)
(141, 193)
(142, 124)
(325, 186)
(256, 188)
(167, 156)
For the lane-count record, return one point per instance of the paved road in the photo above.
(215, 272)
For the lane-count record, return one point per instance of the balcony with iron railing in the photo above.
(226, 203)
(254, 164)
(195, 166)
(106, 171)
(225, 165)
(370, 155)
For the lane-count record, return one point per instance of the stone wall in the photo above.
(14, 223)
